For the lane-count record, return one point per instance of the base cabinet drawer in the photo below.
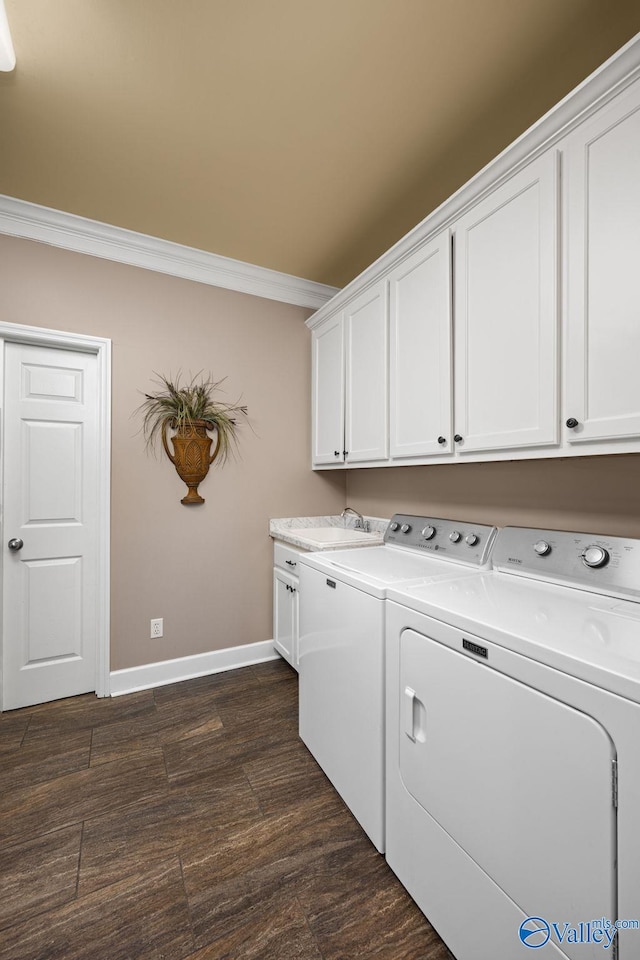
(286, 558)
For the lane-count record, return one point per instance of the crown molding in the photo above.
(19, 218)
(614, 76)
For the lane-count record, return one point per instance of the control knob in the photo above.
(394, 526)
(429, 533)
(405, 528)
(455, 536)
(471, 539)
(542, 548)
(595, 556)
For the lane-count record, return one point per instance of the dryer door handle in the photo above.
(408, 713)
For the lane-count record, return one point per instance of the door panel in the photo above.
(506, 314)
(48, 383)
(52, 451)
(603, 281)
(53, 592)
(420, 352)
(50, 503)
(522, 782)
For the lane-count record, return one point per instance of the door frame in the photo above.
(100, 347)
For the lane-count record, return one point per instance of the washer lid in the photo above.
(384, 565)
(594, 638)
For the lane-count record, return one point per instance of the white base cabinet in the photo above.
(286, 585)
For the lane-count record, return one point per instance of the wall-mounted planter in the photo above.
(191, 454)
(193, 412)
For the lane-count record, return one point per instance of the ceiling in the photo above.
(302, 135)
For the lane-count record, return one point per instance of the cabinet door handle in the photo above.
(572, 422)
(345, 453)
(442, 439)
(336, 453)
(458, 438)
(291, 563)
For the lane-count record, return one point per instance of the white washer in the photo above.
(513, 748)
(341, 647)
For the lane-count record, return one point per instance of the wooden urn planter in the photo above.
(192, 455)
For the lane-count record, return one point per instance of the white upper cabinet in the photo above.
(328, 391)
(420, 352)
(505, 270)
(449, 346)
(366, 379)
(602, 255)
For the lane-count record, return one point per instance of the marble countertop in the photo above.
(292, 530)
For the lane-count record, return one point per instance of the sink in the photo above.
(333, 534)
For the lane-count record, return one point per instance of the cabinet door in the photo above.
(602, 166)
(420, 352)
(505, 328)
(328, 391)
(285, 616)
(366, 428)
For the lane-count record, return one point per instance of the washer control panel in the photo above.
(445, 539)
(609, 565)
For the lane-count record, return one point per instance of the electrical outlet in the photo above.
(157, 628)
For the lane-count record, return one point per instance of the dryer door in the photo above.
(522, 782)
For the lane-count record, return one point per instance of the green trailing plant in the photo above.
(176, 404)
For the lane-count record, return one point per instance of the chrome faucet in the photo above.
(361, 523)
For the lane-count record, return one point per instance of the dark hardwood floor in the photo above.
(187, 822)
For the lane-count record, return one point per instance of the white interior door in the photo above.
(50, 497)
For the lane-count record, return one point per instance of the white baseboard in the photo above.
(186, 668)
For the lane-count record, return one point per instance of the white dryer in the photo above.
(341, 646)
(513, 749)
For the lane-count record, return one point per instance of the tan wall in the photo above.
(590, 494)
(206, 569)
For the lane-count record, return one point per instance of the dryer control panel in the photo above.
(601, 564)
(447, 539)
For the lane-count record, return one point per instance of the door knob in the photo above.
(442, 440)
(458, 438)
(572, 422)
(15, 544)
